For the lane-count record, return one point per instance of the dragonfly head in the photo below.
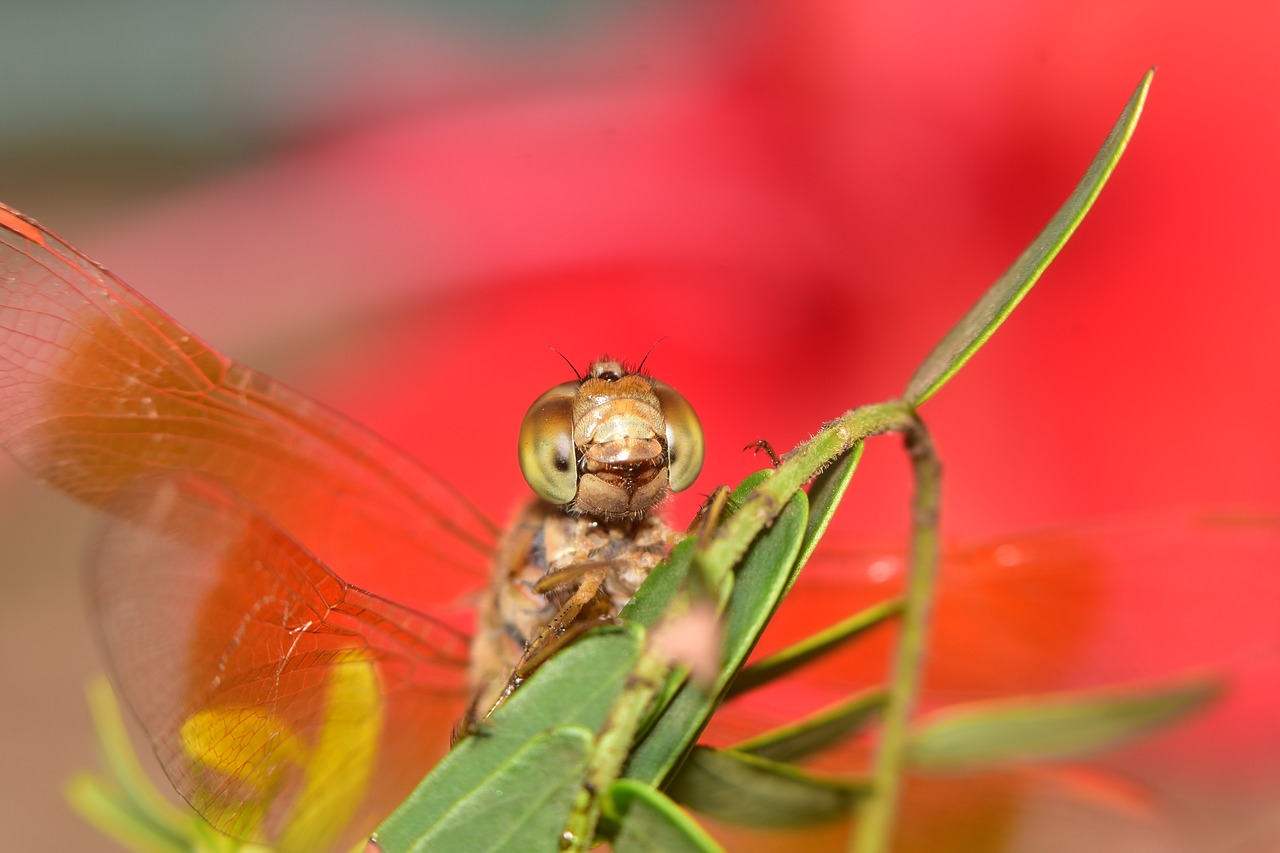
(610, 445)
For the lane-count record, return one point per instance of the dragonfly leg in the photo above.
(708, 515)
(587, 607)
(761, 444)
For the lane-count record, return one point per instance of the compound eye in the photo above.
(685, 444)
(547, 457)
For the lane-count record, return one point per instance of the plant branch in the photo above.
(613, 743)
(874, 818)
(800, 466)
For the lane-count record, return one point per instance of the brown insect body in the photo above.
(603, 562)
(601, 452)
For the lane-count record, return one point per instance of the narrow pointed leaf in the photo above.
(788, 660)
(659, 590)
(758, 588)
(651, 823)
(816, 732)
(116, 816)
(824, 496)
(123, 764)
(751, 791)
(985, 317)
(124, 802)
(985, 734)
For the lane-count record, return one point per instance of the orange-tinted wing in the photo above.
(1107, 604)
(99, 387)
(234, 497)
(285, 705)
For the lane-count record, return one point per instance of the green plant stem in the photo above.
(799, 466)
(613, 744)
(874, 818)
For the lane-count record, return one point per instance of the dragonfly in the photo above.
(290, 707)
(601, 452)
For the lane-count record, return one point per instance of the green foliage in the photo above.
(981, 735)
(745, 789)
(521, 801)
(793, 657)
(981, 321)
(814, 733)
(567, 701)
(650, 823)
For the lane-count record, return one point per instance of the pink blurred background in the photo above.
(398, 207)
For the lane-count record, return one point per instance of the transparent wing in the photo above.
(270, 688)
(1114, 603)
(285, 705)
(98, 387)
(1080, 606)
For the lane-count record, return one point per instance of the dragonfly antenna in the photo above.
(654, 346)
(567, 361)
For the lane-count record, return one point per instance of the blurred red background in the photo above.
(398, 211)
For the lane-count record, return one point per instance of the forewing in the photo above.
(1108, 602)
(285, 705)
(98, 387)
(1127, 602)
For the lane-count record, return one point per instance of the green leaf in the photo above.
(825, 494)
(651, 823)
(743, 490)
(985, 317)
(817, 731)
(659, 590)
(107, 808)
(574, 690)
(981, 734)
(787, 660)
(520, 803)
(742, 789)
(125, 804)
(761, 578)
